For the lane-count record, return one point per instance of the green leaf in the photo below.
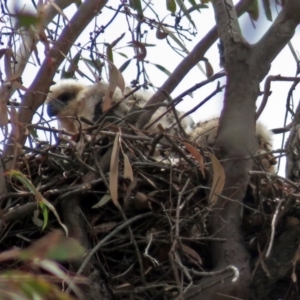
(268, 12)
(136, 5)
(27, 20)
(197, 7)
(182, 46)
(171, 6)
(186, 12)
(125, 65)
(116, 41)
(73, 65)
(66, 250)
(109, 52)
(45, 214)
(43, 203)
(121, 54)
(163, 69)
(253, 10)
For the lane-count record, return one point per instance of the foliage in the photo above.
(146, 207)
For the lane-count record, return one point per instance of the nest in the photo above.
(140, 202)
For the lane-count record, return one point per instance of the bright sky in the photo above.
(162, 54)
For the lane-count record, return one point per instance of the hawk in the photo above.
(205, 133)
(68, 100)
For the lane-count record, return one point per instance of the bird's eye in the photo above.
(65, 97)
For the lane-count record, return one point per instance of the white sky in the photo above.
(162, 54)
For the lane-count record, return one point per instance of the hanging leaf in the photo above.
(182, 46)
(128, 173)
(115, 80)
(192, 253)
(125, 65)
(218, 180)
(140, 50)
(109, 52)
(136, 5)
(102, 201)
(253, 10)
(42, 202)
(3, 51)
(121, 54)
(73, 65)
(194, 5)
(267, 9)
(163, 69)
(171, 6)
(197, 7)
(59, 10)
(160, 33)
(117, 40)
(198, 157)
(186, 12)
(114, 171)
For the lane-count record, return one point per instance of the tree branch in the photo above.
(185, 66)
(278, 35)
(29, 43)
(40, 86)
(246, 66)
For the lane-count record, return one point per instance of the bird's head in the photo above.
(63, 99)
(69, 98)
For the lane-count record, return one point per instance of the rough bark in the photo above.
(185, 66)
(277, 266)
(246, 66)
(292, 170)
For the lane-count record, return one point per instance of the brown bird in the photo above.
(69, 99)
(205, 134)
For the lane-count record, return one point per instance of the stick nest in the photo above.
(144, 201)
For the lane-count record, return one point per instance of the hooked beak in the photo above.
(54, 107)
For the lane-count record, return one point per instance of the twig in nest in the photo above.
(109, 236)
(132, 238)
(274, 176)
(273, 224)
(177, 149)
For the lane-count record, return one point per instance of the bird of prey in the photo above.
(205, 134)
(68, 100)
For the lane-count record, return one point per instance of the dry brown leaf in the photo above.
(2, 52)
(130, 187)
(192, 253)
(102, 201)
(160, 33)
(197, 156)
(140, 201)
(104, 227)
(124, 286)
(114, 172)
(59, 10)
(80, 144)
(140, 50)
(128, 173)
(113, 82)
(218, 180)
(121, 81)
